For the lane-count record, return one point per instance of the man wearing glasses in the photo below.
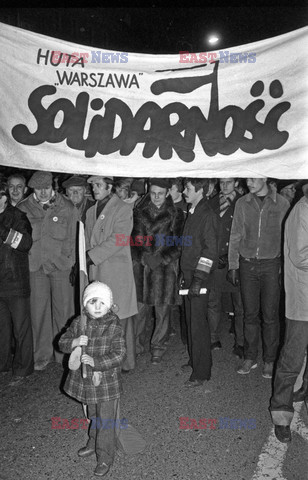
(286, 188)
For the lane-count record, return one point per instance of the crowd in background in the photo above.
(147, 239)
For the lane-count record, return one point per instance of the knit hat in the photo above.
(98, 290)
(40, 180)
(75, 181)
(160, 182)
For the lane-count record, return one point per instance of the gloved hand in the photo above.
(195, 287)
(153, 261)
(199, 281)
(73, 274)
(233, 276)
(223, 261)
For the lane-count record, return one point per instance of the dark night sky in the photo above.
(161, 30)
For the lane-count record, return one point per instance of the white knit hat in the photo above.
(98, 290)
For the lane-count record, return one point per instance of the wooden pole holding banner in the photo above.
(83, 282)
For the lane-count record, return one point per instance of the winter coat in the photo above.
(112, 260)
(202, 226)
(15, 243)
(296, 262)
(157, 286)
(53, 233)
(220, 282)
(107, 347)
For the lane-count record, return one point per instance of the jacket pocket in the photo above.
(58, 228)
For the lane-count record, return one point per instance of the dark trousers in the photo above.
(289, 366)
(102, 434)
(214, 315)
(177, 315)
(199, 337)
(130, 342)
(260, 291)
(15, 318)
(162, 317)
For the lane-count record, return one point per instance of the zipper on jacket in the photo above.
(259, 228)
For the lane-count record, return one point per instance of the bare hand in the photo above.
(87, 360)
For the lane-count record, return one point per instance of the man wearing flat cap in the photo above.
(53, 219)
(156, 238)
(109, 260)
(76, 188)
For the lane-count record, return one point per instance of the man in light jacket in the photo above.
(254, 261)
(296, 336)
(53, 219)
(108, 225)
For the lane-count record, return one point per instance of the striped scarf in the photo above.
(225, 202)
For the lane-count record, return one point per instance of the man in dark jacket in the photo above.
(15, 243)
(223, 205)
(197, 262)
(156, 239)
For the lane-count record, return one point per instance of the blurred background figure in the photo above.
(176, 191)
(273, 182)
(287, 189)
(122, 187)
(212, 188)
(242, 186)
(137, 191)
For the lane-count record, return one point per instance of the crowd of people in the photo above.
(234, 245)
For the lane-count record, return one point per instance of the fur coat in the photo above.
(157, 233)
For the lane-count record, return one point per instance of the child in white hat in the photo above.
(105, 351)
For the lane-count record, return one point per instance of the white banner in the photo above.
(235, 112)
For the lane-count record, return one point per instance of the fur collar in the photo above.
(153, 218)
